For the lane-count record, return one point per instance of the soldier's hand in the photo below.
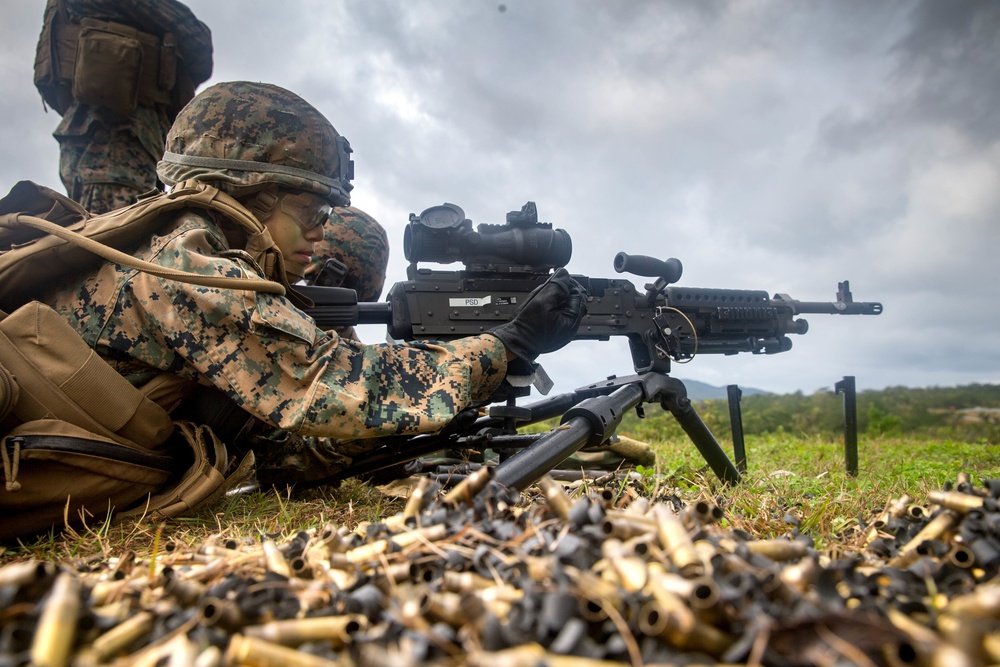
(547, 320)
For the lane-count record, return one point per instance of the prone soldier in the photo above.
(281, 160)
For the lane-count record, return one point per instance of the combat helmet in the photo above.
(243, 137)
(360, 247)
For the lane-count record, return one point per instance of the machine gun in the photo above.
(503, 264)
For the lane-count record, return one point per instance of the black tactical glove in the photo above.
(547, 320)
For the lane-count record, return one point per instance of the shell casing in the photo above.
(556, 496)
(799, 576)
(667, 616)
(337, 630)
(455, 609)
(224, 613)
(185, 591)
(677, 543)
(211, 656)
(122, 636)
(56, 629)
(934, 529)
(470, 486)
(955, 501)
(984, 602)
(533, 655)
(274, 560)
(367, 552)
(256, 652)
(777, 549)
(464, 582)
(415, 503)
(25, 572)
(697, 592)
(331, 538)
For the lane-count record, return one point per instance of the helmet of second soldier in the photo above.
(243, 137)
(360, 243)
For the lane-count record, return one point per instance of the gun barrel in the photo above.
(837, 307)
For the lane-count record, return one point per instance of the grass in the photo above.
(801, 483)
(792, 483)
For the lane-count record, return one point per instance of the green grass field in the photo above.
(791, 481)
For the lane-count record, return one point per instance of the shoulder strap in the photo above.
(89, 233)
(119, 257)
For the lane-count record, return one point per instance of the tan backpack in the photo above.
(80, 443)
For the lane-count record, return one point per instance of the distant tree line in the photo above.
(969, 413)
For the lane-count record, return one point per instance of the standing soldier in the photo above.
(118, 73)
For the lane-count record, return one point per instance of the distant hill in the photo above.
(700, 391)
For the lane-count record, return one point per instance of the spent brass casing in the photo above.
(211, 656)
(415, 503)
(677, 543)
(56, 629)
(984, 602)
(464, 582)
(185, 591)
(778, 550)
(470, 486)
(455, 609)
(256, 652)
(331, 538)
(934, 529)
(367, 552)
(532, 655)
(698, 592)
(556, 497)
(122, 636)
(274, 560)
(224, 613)
(955, 501)
(26, 572)
(894, 509)
(799, 576)
(623, 526)
(666, 616)
(336, 630)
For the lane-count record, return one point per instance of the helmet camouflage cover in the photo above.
(357, 240)
(242, 136)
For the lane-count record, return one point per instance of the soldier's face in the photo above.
(295, 225)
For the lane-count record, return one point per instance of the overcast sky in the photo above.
(767, 144)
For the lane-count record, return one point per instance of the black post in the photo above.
(736, 424)
(847, 388)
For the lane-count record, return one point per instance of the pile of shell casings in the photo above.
(470, 577)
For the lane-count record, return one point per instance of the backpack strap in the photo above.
(88, 233)
(124, 259)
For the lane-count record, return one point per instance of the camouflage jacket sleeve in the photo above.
(269, 356)
(194, 39)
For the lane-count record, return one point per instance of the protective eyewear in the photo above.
(307, 209)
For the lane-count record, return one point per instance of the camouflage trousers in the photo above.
(104, 171)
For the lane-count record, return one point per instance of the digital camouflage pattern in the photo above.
(242, 136)
(360, 242)
(106, 160)
(265, 354)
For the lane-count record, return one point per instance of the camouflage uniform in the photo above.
(106, 158)
(259, 349)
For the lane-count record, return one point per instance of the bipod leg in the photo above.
(674, 398)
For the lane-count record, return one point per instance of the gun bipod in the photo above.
(594, 419)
